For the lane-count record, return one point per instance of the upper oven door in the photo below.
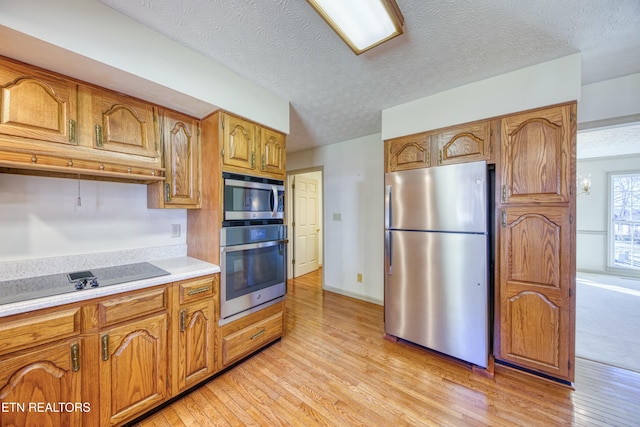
(246, 200)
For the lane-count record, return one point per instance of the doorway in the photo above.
(608, 289)
(305, 221)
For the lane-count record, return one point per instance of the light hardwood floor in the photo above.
(334, 368)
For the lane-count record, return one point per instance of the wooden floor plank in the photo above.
(333, 367)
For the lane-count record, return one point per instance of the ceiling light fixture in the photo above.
(362, 24)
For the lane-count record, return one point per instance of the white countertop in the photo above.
(180, 268)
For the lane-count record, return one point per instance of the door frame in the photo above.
(290, 203)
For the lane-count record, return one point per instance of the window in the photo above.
(625, 221)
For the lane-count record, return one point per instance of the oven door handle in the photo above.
(249, 246)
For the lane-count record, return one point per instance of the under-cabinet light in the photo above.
(362, 24)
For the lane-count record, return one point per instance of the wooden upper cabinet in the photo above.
(181, 158)
(43, 377)
(536, 155)
(123, 124)
(272, 152)
(37, 105)
(537, 314)
(465, 143)
(408, 152)
(238, 143)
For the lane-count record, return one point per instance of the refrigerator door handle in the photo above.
(387, 207)
(388, 249)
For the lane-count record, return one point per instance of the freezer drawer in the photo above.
(436, 292)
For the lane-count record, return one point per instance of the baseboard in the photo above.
(353, 295)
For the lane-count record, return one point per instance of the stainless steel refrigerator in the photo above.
(436, 259)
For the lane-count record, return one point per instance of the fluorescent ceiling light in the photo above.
(362, 24)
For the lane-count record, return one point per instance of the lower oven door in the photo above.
(252, 277)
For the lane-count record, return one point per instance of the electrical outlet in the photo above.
(175, 230)
(359, 277)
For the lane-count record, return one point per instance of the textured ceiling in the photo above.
(607, 142)
(284, 46)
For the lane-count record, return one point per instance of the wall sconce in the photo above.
(584, 184)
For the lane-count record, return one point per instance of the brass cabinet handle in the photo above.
(167, 192)
(75, 357)
(105, 347)
(257, 334)
(72, 130)
(183, 320)
(504, 193)
(428, 158)
(199, 290)
(440, 156)
(504, 218)
(98, 136)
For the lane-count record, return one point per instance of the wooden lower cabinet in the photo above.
(42, 387)
(196, 356)
(537, 306)
(246, 335)
(115, 358)
(195, 332)
(133, 369)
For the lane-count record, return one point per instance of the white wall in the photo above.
(39, 218)
(610, 101)
(592, 213)
(353, 189)
(540, 85)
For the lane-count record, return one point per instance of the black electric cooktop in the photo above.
(76, 281)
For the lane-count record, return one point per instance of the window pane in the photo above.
(625, 217)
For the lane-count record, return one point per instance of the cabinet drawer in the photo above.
(39, 329)
(127, 307)
(202, 287)
(251, 338)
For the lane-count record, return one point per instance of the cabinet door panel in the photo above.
(123, 124)
(464, 143)
(37, 379)
(37, 105)
(536, 288)
(238, 142)
(133, 378)
(182, 159)
(196, 342)
(408, 152)
(536, 156)
(272, 152)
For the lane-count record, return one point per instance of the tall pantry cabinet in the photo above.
(536, 256)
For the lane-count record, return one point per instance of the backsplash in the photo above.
(40, 218)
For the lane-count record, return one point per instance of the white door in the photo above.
(306, 225)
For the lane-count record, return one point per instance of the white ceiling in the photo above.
(609, 142)
(284, 46)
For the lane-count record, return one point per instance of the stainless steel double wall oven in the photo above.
(253, 245)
